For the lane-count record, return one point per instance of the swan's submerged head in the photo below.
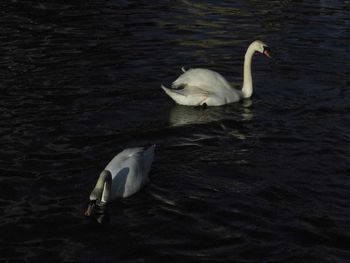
(101, 193)
(261, 47)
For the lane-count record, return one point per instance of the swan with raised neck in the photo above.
(203, 86)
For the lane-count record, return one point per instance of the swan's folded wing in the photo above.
(206, 79)
(136, 177)
(117, 162)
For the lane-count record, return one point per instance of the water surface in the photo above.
(264, 180)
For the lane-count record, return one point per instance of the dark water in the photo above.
(265, 180)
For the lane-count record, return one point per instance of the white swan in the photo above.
(125, 174)
(203, 86)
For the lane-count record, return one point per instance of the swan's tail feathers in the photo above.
(183, 69)
(148, 157)
(176, 95)
(189, 95)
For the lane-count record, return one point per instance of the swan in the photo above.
(123, 176)
(201, 86)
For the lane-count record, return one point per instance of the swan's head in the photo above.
(101, 193)
(261, 47)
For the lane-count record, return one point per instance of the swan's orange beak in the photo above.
(90, 208)
(267, 52)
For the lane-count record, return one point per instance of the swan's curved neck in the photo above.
(247, 89)
(102, 190)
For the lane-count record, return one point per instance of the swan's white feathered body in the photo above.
(203, 86)
(123, 176)
(201, 77)
(129, 170)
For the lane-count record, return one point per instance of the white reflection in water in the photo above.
(185, 115)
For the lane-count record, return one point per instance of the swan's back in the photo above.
(130, 170)
(205, 79)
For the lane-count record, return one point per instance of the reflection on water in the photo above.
(184, 115)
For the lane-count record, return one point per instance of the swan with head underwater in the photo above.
(206, 87)
(124, 175)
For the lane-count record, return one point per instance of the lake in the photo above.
(262, 180)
